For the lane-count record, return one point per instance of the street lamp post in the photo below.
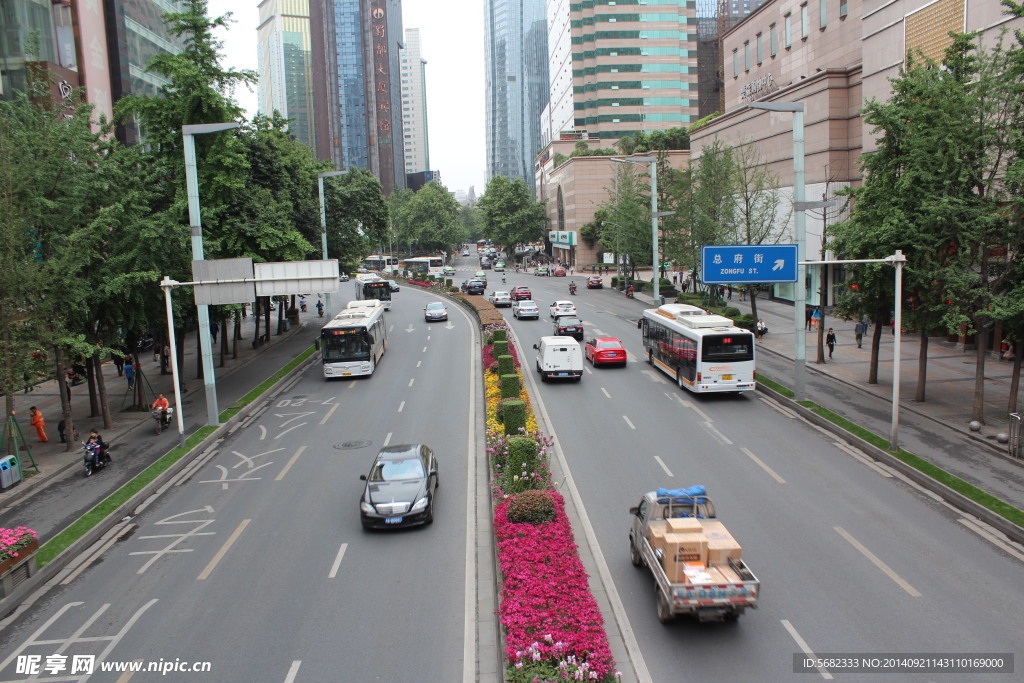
(800, 229)
(188, 134)
(653, 161)
(323, 222)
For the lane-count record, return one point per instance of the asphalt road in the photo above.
(256, 560)
(850, 560)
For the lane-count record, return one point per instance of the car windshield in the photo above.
(397, 470)
(435, 307)
(566, 321)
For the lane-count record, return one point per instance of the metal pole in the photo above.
(894, 430)
(799, 297)
(656, 263)
(323, 235)
(205, 342)
(167, 284)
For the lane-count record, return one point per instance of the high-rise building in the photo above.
(284, 43)
(516, 68)
(414, 104)
(362, 51)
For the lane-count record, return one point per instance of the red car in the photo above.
(605, 351)
(521, 293)
(558, 272)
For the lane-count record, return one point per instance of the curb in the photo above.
(954, 498)
(41, 579)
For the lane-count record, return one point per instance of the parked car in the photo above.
(542, 270)
(594, 282)
(525, 309)
(558, 272)
(435, 310)
(568, 326)
(604, 351)
(474, 286)
(563, 307)
(500, 298)
(521, 293)
(400, 487)
(394, 285)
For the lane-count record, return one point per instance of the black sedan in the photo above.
(474, 286)
(400, 488)
(595, 282)
(568, 326)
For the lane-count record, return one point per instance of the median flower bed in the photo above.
(554, 628)
(13, 541)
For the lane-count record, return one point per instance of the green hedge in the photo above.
(506, 365)
(514, 416)
(510, 385)
(500, 348)
(523, 454)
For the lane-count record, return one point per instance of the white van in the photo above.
(559, 357)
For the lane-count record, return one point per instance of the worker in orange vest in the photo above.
(39, 423)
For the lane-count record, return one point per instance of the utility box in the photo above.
(10, 472)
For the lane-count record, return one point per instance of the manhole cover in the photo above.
(351, 445)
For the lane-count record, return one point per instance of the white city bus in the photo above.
(354, 341)
(370, 286)
(701, 351)
(382, 264)
(424, 265)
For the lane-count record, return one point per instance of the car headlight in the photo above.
(367, 508)
(420, 505)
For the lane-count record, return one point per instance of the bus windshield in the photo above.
(345, 345)
(727, 348)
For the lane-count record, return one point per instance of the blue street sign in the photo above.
(737, 264)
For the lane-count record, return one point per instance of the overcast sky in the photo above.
(451, 40)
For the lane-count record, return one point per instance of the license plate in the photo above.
(563, 374)
(346, 373)
(726, 378)
(393, 520)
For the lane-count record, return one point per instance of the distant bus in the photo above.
(353, 342)
(425, 265)
(372, 287)
(703, 352)
(383, 264)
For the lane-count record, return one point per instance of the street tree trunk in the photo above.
(978, 409)
(65, 398)
(922, 368)
(1015, 377)
(101, 390)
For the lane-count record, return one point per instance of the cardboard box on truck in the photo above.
(684, 525)
(680, 549)
(721, 545)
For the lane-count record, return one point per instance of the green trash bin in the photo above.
(10, 472)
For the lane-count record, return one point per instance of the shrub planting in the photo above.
(505, 365)
(531, 507)
(510, 385)
(513, 417)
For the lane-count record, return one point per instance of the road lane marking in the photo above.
(337, 561)
(631, 426)
(329, 413)
(765, 467)
(424, 349)
(127, 675)
(664, 466)
(802, 644)
(411, 381)
(263, 433)
(719, 436)
(401, 406)
(203, 575)
(991, 538)
(387, 439)
(293, 671)
(605, 392)
(886, 569)
(861, 458)
(288, 465)
(418, 363)
(655, 376)
(301, 424)
(778, 407)
(351, 384)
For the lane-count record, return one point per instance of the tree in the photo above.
(713, 194)
(358, 216)
(642, 142)
(510, 214)
(435, 215)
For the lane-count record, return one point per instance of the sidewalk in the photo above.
(52, 457)
(937, 429)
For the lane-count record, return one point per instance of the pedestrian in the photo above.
(244, 314)
(830, 341)
(39, 423)
(675, 279)
(729, 290)
(119, 363)
(743, 293)
(28, 383)
(858, 332)
(867, 322)
(64, 437)
(129, 373)
(760, 329)
(816, 318)
(214, 329)
(156, 352)
(808, 315)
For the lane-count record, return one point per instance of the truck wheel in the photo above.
(664, 609)
(634, 556)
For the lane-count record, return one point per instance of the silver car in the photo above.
(435, 310)
(500, 298)
(525, 309)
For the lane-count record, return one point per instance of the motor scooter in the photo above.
(572, 288)
(93, 458)
(158, 418)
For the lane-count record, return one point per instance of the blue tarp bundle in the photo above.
(681, 496)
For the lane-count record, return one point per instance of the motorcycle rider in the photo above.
(302, 304)
(161, 405)
(95, 450)
(572, 287)
(320, 308)
(629, 291)
(104, 453)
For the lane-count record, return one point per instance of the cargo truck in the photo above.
(697, 565)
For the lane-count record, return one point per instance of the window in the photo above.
(804, 25)
(735, 64)
(760, 50)
(773, 40)
(746, 56)
(788, 32)
(842, 9)
(822, 12)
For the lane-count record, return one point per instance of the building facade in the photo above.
(414, 105)
(516, 85)
(284, 42)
